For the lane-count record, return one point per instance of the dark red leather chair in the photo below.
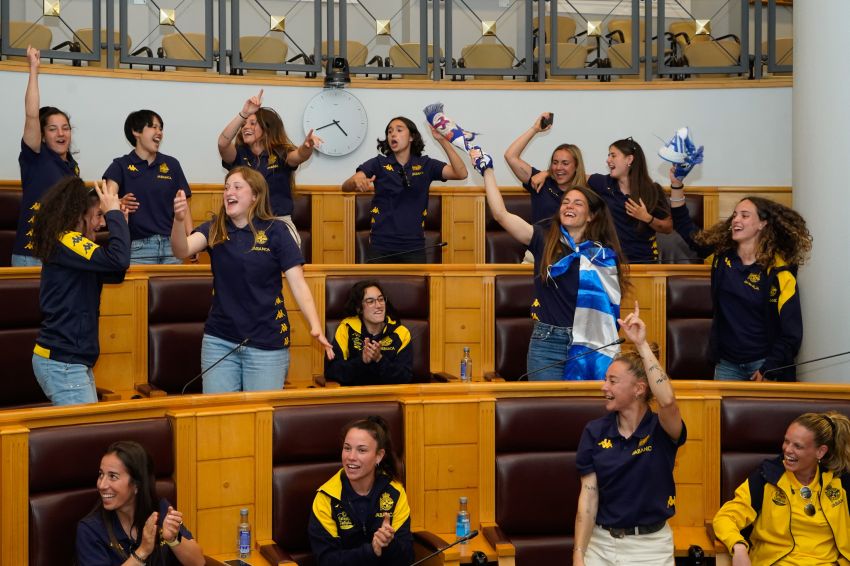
(537, 484)
(305, 453)
(671, 247)
(10, 208)
(433, 225)
(752, 429)
(689, 328)
(177, 310)
(499, 246)
(302, 217)
(20, 319)
(63, 464)
(512, 305)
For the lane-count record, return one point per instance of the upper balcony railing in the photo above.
(531, 40)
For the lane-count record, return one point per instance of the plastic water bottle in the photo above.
(466, 366)
(462, 528)
(244, 538)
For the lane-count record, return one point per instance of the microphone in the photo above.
(780, 368)
(422, 249)
(524, 377)
(218, 361)
(470, 536)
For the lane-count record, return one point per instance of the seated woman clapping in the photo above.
(371, 346)
(797, 502)
(127, 527)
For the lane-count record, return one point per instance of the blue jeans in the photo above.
(246, 369)
(548, 347)
(730, 371)
(152, 250)
(64, 384)
(19, 260)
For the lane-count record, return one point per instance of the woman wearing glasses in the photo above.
(796, 503)
(371, 346)
(400, 178)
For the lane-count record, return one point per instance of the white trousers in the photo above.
(654, 549)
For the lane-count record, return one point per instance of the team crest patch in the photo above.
(754, 277)
(386, 502)
(133, 168)
(833, 494)
(272, 159)
(417, 167)
(780, 499)
(344, 521)
(773, 291)
(388, 167)
(261, 237)
(163, 168)
(606, 443)
(386, 341)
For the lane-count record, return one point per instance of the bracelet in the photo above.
(649, 222)
(173, 543)
(241, 116)
(677, 188)
(683, 199)
(138, 558)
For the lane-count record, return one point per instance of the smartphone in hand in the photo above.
(546, 121)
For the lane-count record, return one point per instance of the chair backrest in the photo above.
(752, 429)
(306, 448)
(177, 310)
(22, 34)
(512, 314)
(63, 464)
(689, 317)
(86, 38)
(570, 56)
(10, 208)
(262, 49)
(356, 52)
(407, 55)
(433, 225)
(302, 217)
(671, 247)
(725, 52)
(499, 246)
(536, 444)
(189, 46)
(409, 295)
(565, 27)
(689, 28)
(20, 320)
(488, 56)
(624, 26)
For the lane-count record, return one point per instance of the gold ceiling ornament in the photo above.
(51, 8)
(382, 27)
(166, 17)
(277, 23)
(488, 27)
(594, 28)
(703, 27)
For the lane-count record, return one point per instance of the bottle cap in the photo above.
(463, 499)
(244, 511)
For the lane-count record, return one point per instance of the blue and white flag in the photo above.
(597, 308)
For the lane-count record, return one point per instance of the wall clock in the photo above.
(339, 118)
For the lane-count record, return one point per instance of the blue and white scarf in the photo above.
(597, 307)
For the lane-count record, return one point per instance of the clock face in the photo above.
(338, 117)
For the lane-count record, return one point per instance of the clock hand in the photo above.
(327, 126)
(340, 128)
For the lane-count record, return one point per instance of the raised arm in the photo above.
(514, 225)
(522, 169)
(184, 245)
(226, 147)
(588, 504)
(455, 169)
(659, 383)
(32, 102)
(360, 183)
(301, 292)
(303, 152)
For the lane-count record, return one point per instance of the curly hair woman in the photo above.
(74, 271)
(758, 324)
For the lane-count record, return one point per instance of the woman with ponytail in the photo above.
(796, 503)
(361, 514)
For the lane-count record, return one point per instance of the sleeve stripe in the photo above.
(78, 244)
(787, 287)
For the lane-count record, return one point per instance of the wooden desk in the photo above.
(465, 551)
(256, 559)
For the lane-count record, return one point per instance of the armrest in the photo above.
(107, 395)
(443, 377)
(431, 542)
(321, 381)
(149, 390)
(499, 540)
(275, 555)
